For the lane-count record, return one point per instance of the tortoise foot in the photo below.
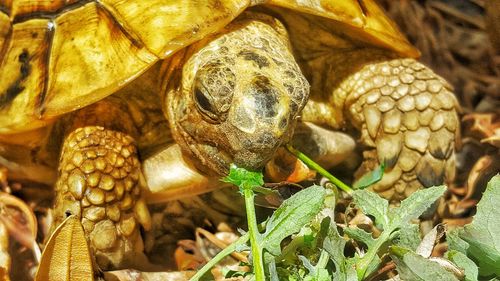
(100, 182)
(407, 116)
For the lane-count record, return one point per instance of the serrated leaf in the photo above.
(360, 235)
(462, 261)
(273, 273)
(374, 205)
(370, 178)
(414, 267)
(322, 275)
(373, 266)
(455, 242)
(391, 219)
(351, 274)
(413, 206)
(483, 233)
(243, 178)
(334, 245)
(291, 216)
(66, 256)
(307, 264)
(485, 256)
(355, 261)
(409, 237)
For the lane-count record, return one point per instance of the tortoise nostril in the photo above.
(263, 142)
(67, 213)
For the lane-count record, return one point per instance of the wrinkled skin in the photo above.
(239, 95)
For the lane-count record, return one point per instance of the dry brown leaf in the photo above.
(3, 177)
(19, 220)
(66, 256)
(454, 42)
(484, 125)
(481, 172)
(286, 167)
(187, 256)
(220, 240)
(427, 244)
(5, 260)
(128, 274)
(493, 22)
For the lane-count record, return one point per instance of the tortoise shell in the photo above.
(59, 56)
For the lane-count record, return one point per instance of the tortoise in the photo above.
(96, 81)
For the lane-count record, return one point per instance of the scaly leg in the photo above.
(100, 182)
(407, 116)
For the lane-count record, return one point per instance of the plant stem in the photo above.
(265, 191)
(258, 264)
(323, 259)
(222, 254)
(313, 165)
(365, 261)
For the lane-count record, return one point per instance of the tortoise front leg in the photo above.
(100, 181)
(407, 116)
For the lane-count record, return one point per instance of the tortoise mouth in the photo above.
(253, 161)
(219, 160)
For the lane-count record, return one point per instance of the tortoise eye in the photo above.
(204, 103)
(213, 91)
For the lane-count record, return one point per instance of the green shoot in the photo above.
(313, 165)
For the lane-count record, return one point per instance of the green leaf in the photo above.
(351, 274)
(334, 246)
(487, 257)
(455, 242)
(307, 264)
(413, 206)
(462, 261)
(414, 267)
(483, 234)
(291, 216)
(322, 275)
(372, 204)
(370, 178)
(273, 273)
(360, 235)
(392, 219)
(408, 237)
(243, 178)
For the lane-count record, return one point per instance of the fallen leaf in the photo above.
(187, 256)
(286, 167)
(66, 256)
(484, 125)
(19, 220)
(5, 260)
(130, 274)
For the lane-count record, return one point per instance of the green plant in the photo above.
(301, 240)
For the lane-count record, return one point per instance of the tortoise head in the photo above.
(237, 96)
